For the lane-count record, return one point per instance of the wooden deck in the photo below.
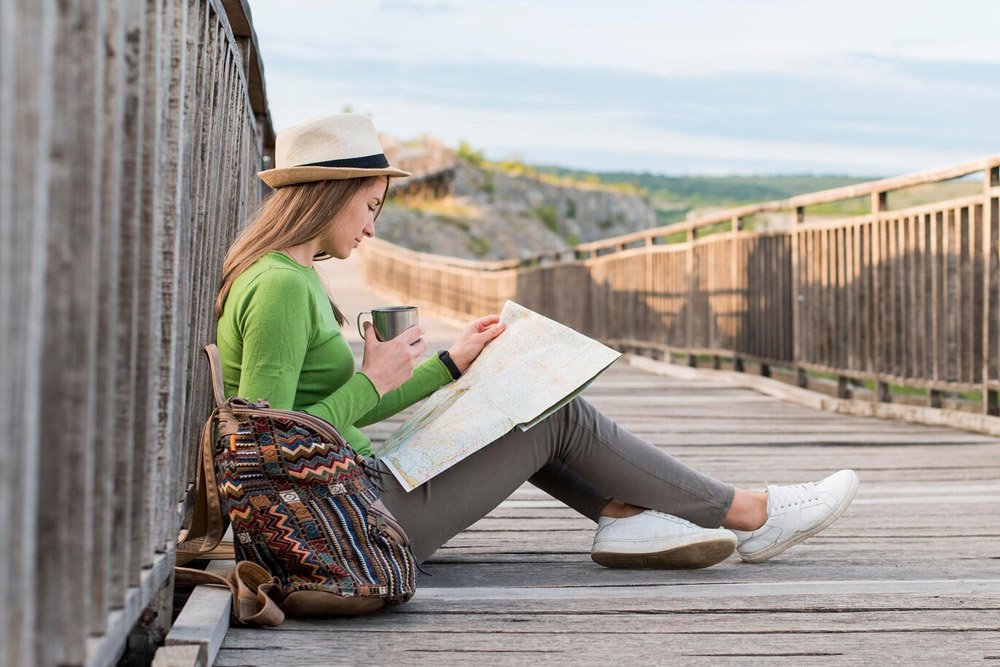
(909, 575)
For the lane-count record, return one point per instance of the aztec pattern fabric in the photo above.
(302, 507)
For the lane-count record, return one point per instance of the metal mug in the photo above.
(390, 321)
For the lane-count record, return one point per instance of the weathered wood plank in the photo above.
(27, 36)
(604, 646)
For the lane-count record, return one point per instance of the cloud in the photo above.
(513, 81)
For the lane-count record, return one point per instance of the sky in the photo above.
(872, 88)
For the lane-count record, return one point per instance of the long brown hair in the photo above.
(291, 215)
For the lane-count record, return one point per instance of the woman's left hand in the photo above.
(474, 338)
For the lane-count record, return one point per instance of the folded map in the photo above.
(526, 373)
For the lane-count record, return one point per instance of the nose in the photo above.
(369, 229)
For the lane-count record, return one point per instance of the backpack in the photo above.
(311, 537)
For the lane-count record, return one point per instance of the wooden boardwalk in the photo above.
(910, 575)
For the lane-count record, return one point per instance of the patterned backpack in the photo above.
(311, 537)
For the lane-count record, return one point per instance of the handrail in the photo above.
(907, 297)
(135, 133)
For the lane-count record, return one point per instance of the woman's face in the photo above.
(355, 221)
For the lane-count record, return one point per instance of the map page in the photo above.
(525, 374)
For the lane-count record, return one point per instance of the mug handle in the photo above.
(361, 331)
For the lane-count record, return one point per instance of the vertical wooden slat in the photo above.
(991, 288)
(840, 295)
(27, 76)
(104, 562)
(126, 407)
(10, 334)
(923, 326)
(914, 310)
(975, 283)
(148, 305)
(891, 290)
(899, 268)
(952, 311)
(937, 271)
(195, 242)
(963, 304)
(811, 303)
(65, 516)
(769, 301)
(797, 289)
(175, 296)
(878, 205)
(690, 282)
(785, 241)
(850, 289)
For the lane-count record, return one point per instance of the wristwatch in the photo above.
(449, 363)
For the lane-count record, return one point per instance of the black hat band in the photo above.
(376, 161)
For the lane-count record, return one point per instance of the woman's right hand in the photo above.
(389, 364)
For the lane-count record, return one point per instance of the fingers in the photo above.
(414, 334)
(491, 332)
(417, 349)
(369, 336)
(483, 322)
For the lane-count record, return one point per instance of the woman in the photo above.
(280, 339)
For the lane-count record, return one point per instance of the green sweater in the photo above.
(279, 341)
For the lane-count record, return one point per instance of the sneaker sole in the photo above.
(775, 549)
(690, 556)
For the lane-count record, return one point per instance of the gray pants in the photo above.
(577, 455)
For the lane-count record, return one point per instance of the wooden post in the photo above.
(878, 204)
(797, 296)
(736, 301)
(692, 359)
(991, 221)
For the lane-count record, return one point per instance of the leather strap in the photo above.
(251, 585)
(205, 532)
(215, 364)
(252, 588)
(207, 527)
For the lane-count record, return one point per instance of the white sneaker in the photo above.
(656, 540)
(797, 512)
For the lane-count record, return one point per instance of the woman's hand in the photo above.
(474, 338)
(391, 363)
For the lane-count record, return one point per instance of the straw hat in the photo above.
(325, 148)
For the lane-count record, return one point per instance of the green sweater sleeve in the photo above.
(274, 347)
(428, 375)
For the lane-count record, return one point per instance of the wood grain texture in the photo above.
(104, 104)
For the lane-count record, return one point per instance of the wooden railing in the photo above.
(130, 134)
(892, 299)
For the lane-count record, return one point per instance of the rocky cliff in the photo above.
(496, 215)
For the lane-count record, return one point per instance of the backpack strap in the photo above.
(204, 535)
(215, 364)
(207, 525)
(253, 588)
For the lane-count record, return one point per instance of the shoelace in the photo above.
(789, 496)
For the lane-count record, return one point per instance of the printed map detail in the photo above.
(526, 373)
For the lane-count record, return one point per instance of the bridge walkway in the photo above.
(909, 575)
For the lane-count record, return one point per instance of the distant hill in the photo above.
(675, 196)
(506, 209)
(716, 190)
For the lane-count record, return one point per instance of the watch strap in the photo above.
(449, 363)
